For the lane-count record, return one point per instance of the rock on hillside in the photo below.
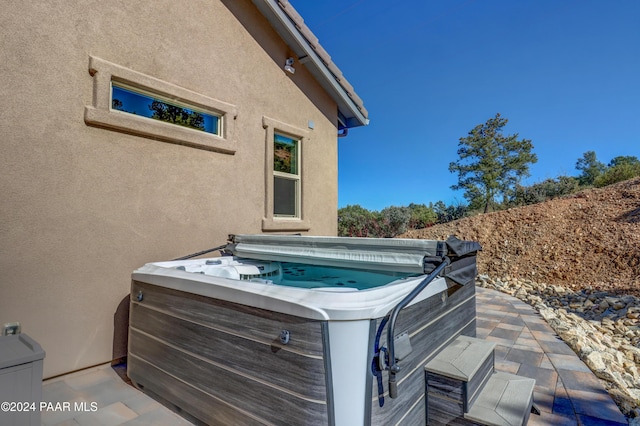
(590, 239)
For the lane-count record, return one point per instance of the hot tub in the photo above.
(294, 330)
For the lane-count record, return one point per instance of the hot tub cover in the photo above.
(383, 254)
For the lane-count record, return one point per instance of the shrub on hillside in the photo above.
(451, 212)
(619, 169)
(421, 216)
(545, 190)
(356, 221)
(394, 221)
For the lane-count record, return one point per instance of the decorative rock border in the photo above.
(602, 328)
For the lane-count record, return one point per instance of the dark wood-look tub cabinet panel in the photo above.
(280, 367)
(229, 356)
(432, 324)
(254, 323)
(177, 394)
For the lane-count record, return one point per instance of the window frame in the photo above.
(271, 221)
(295, 177)
(165, 100)
(101, 114)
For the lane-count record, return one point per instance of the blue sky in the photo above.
(565, 73)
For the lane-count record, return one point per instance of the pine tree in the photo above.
(491, 164)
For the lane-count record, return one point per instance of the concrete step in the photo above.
(505, 400)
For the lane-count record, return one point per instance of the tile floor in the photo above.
(566, 391)
(117, 402)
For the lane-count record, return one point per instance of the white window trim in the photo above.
(100, 113)
(270, 222)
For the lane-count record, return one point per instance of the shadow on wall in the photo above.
(264, 34)
(121, 331)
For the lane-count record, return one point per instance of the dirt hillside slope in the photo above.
(588, 239)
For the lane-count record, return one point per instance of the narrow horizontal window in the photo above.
(138, 104)
(144, 104)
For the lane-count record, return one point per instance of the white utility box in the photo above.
(21, 360)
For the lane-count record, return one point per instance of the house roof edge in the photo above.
(291, 27)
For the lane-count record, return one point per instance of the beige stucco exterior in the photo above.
(81, 206)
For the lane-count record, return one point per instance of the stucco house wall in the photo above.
(82, 204)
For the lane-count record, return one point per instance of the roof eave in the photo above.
(349, 113)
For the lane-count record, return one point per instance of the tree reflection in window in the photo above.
(285, 155)
(133, 102)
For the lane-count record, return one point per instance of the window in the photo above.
(284, 177)
(128, 101)
(136, 101)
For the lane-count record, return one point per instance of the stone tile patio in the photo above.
(117, 402)
(566, 392)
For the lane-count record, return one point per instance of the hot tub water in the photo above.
(313, 276)
(291, 274)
